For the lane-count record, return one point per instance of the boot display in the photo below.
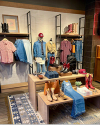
(47, 85)
(61, 94)
(55, 85)
(73, 27)
(51, 88)
(53, 95)
(66, 70)
(4, 28)
(70, 28)
(76, 24)
(90, 81)
(62, 69)
(7, 28)
(49, 95)
(86, 81)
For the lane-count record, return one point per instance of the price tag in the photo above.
(67, 84)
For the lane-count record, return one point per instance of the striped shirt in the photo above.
(6, 51)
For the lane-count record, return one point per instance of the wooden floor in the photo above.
(4, 107)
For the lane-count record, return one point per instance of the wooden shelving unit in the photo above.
(14, 34)
(69, 36)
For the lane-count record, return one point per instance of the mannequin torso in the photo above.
(41, 40)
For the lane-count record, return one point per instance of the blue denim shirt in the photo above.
(37, 49)
(20, 52)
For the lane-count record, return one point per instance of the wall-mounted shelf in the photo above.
(14, 34)
(69, 36)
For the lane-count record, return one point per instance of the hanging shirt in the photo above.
(27, 47)
(20, 53)
(50, 48)
(6, 51)
(66, 50)
(38, 50)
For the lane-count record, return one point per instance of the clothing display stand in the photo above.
(33, 81)
(60, 36)
(43, 103)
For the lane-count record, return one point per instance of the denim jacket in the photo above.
(37, 49)
(20, 52)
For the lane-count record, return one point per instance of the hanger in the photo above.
(66, 39)
(72, 41)
(5, 38)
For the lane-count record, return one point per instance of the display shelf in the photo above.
(34, 80)
(43, 103)
(60, 100)
(14, 34)
(70, 36)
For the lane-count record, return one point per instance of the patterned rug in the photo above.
(22, 112)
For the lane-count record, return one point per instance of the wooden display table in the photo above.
(33, 81)
(43, 103)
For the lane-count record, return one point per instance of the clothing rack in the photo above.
(66, 35)
(30, 37)
(22, 35)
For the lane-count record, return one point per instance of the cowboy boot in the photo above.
(86, 81)
(70, 28)
(57, 89)
(7, 28)
(53, 95)
(47, 85)
(55, 85)
(64, 67)
(73, 27)
(67, 68)
(90, 81)
(48, 95)
(76, 24)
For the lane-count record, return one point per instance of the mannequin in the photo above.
(50, 51)
(40, 39)
(39, 50)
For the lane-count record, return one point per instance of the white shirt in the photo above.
(27, 47)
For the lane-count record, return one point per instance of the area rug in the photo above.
(22, 112)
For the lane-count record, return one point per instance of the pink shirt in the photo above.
(66, 47)
(6, 51)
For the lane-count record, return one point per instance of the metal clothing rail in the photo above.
(80, 20)
(30, 38)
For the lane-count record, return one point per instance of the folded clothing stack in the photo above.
(51, 74)
(84, 91)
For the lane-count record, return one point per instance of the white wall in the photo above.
(42, 21)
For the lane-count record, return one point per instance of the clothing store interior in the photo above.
(50, 62)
